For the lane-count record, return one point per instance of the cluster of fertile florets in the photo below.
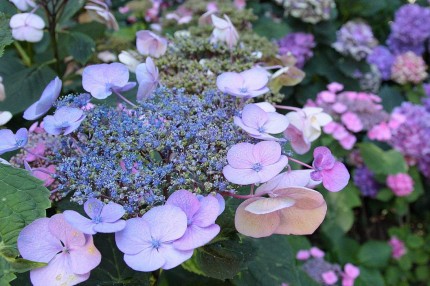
(135, 156)
(310, 11)
(408, 68)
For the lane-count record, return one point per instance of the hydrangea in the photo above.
(401, 184)
(10, 141)
(47, 99)
(383, 59)
(299, 44)
(171, 141)
(315, 267)
(364, 179)
(27, 27)
(310, 11)
(408, 68)
(398, 248)
(356, 39)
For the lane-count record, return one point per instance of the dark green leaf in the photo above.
(369, 277)
(71, 8)
(79, 46)
(374, 254)
(382, 162)
(5, 34)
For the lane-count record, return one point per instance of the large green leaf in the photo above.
(369, 277)
(374, 254)
(382, 162)
(80, 46)
(5, 34)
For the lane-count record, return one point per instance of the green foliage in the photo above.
(382, 162)
(5, 33)
(374, 254)
(80, 46)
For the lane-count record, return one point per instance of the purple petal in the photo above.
(93, 207)
(166, 222)
(73, 126)
(110, 227)
(267, 152)
(63, 231)
(255, 78)
(112, 212)
(79, 222)
(149, 259)
(57, 272)
(127, 87)
(252, 131)
(21, 137)
(241, 156)
(173, 256)
(258, 92)
(68, 114)
(145, 89)
(196, 236)
(323, 159)
(336, 178)
(49, 96)
(240, 176)
(36, 243)
(253, 116)
(86, 258)
(135, 237)
(297, 141)
(50, 125)
(229, 80)
(270, 171)
(207, 213)
(221, 203)
(94, 81)
(186, 201)
(276, 123)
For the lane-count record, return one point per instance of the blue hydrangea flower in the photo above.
(65, 120)
(10, 142)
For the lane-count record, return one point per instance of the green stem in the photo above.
(24, 56)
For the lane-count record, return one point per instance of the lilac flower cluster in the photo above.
(134, 157)
(299, 44)
(383, 59)
(364, 179)
(356, 39)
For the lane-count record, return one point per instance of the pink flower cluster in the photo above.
(401, 184)
(408, 68)
(352, 112)
(398, 247)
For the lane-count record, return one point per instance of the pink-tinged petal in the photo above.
(167, 223)
(42, 175)
(85, 258)
(117, 74)
(303, 255)
(253, 116)
(297, 221)
(352, 121)
(63, 231)
(297, 141)
(323, 159)
(269, 205)
(112, 212)
(304, 198)
(253, 225)
(207, 213)
(219, 23)
(110, 227)
(149, 259)
(316, 252)
(252, 131)
(296, 178)
(56, 273)
(329, 277)
(173, 256)
(335, 87)
(276, 123)
(266, 106)
(336, 178)
(258, 92)
(93, 207)
(221, 203)
(348, 142)
(229, 80)
(240, 176)
(240, 156)
(186, 201)
(267, 152)
(352, 270)
(270, 171)
(135, 237)
(196, 236)
(36, 243)
(94, 81)
(79, 222)
(255, 78)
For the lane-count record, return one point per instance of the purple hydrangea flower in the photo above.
(356, 39)
(411, 26)
(382, 58)
(299, 44)
(148, 242)
(70, 254)
(49, 96)
(10, 142)
(249, 83)
(399, 47)
(426, 100)
(201, 215)
(103, 79)
(147, 77)
(364, 179)
(65, 120)
(104, 218)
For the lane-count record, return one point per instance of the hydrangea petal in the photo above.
(63, 231)
(173, 256)
(266, 152)
(296, 178)
(148, 259)
(229, 80)
(253, 116)
(93, 207)
(323, 158)
(135, 237)
(304, 198)
(110, 227)
(86, 258)
(241, 155)
(270, 171)
(299, 221)
(276, 123)
(207, 213)
(186, 201)
(166, 222)
(196, 236)
(336, 178)
(240, 176)
(112, 212)
(269, 205)
(255, 78)
(79, 222)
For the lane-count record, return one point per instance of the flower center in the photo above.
(243, 90)
(19, 143)
(155, 243)
(97, 219)
(64, 125)
(261, 129)
(257, 167)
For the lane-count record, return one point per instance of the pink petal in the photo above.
(79, 222)
(167, 223)
(352, 270)
(276, 123)
(297, 141)
(86, 258)
(252, 131)
(207, 213)
(336, 178)
(296, 178)
(196, 236)
(269, 205)
(316, 252)
(270, 171)
(323, 159)
(304, 198)
(303, 255)
(253, 225)
(186, 201)
(63, 231)
(255, 78)
(329, 277)
(267, 152)
(240, 176)
(253, 116)
(240, 156)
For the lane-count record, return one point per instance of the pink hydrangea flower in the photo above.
(45, 174)
(291, 210)
(201, 215)
(70, 254)
(332, 173)
(329, 277)
(335, 87)
(316, 252)
(148, 78)
(408, 68)
(150, 44)
(27, 27)
(249, 83)
(148, 242)
(103, 218)
(224, 31)
(401, 184)
(259, 121)
(349, 274)
(352, 121)
(38, 150)
(398, 247)
(303, 254)
(251, 164)
(182, 15)
(380, 132)
(47, 99)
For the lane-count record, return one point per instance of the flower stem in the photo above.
(300, 162)
(125, 99)
(287, 107)
(227, 194)
(24, 56)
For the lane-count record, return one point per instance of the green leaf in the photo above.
(382, 162)
(385, 195)
(374, 254)
(79, 46)
(418, 185)
(5, 33)
(369, 277)
(391, 97)
(71, 8)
